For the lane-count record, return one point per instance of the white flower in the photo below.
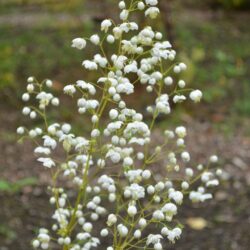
(173, 234)
(110, 39)
(150, 190)
(134, 175)
(95, 133)
(69, 89)
(195, 95)
(214, 158)
(117, 32)
(90, 65)
(185, 156)
(177, 196)
(30, 79)
(102, 61)
(156, 75)
(169, 134)
(152, 12)
(95, 39)
(42, 150)
(206, 176)
(177, 69)
(113, 126)
(153, 239)
(159, 186)
(181, 84)
(141, 5)
(105, 182)
(158, 246)
(53, 128)
(111, 80)
(55, 101)
(44, 98)
(49, 142)
(36, 243)
(104, 232)
(86, 86)
(113, 113)
(123, 230)
(114, 156)
(169, 209)
(137, 234)
(105, 25)
(47, 162)
(122, 5)
(158, 215)
(82, 144)
(181, 131)
(87, 227)
(128, 161)
(119, 61)
(112, 219)
(127, 26)
(129, 47)
(146, 174)
(212, 183)
(132, 211)
(136, 127)
(185, 185)
(139, 141)
(66, 128)
(125, 87)
(179, 98)
(199, 197)
(142, 223)
(189, 172)
(33, 115)
(20, 130)
(25, 97)
(79, 43)
(26, 110)
(162, 104)
(152, 2)
(137, 191)
(131, 67)
(183, 66)
(124, 15)
(30, 88)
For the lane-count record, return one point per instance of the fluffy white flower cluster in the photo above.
(120, 191)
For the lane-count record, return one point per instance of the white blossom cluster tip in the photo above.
(118, 191)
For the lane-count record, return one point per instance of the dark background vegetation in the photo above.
(211, 36)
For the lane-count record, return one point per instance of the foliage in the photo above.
(234, 3)
(19, 52)
(52, 5)
(220, 66)
(15, 187)
(8, 233)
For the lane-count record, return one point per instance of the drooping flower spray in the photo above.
(127, 190)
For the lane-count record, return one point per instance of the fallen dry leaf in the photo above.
(196, 223)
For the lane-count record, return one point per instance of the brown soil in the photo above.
(228, 215)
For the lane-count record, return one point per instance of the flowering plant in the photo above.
(121, 201)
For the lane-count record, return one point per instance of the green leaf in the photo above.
(5, 186)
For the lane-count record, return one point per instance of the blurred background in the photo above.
(211, 36)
